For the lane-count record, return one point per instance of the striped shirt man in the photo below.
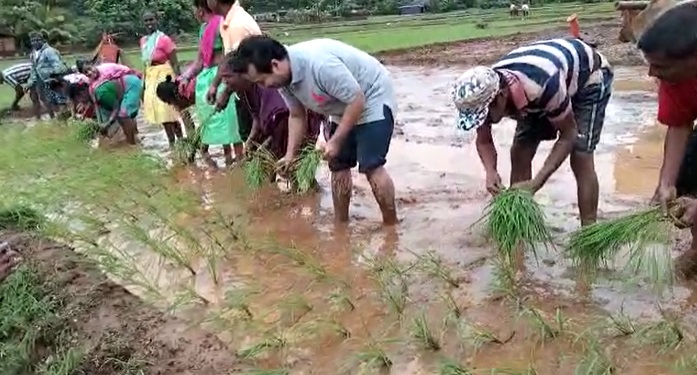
(17, 74)
(551, 72)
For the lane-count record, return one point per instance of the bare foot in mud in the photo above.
(210, 162)
(230, 163)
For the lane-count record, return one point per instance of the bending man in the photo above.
(555, 89)
(338, 80)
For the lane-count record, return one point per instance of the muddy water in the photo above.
(439, 183)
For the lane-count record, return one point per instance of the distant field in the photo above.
(383, 33)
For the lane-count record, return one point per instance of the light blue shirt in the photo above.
(328, 74)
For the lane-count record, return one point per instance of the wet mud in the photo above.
(322, 298)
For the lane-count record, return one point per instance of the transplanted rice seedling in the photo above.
(622, 324)
(596, 245)
(341, 300)
(270, 343)
(686, 365)
(373, 356)
(546, 329)
(259, 168)
(304, 259)
(594, 361)
(433, 266)
(530, 370)
(478, 336)
(238, 299)
(454, 310)
(513, 219)
(422, 333)
(450, 367)
(332, 325)
(306, 168)
(395, 293)
(666, 334)
(296, 306)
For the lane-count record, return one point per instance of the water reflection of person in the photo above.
(669, 45)
(555, 89)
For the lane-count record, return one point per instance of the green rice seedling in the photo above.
(374, 357)
(514, 219)
(85, 130)
(340, 300)
(596, 245)
(546, 329)
(666, 334)
(421, 332)
(622, 323)
(20, 218)
(238, 299)
(451, 367)
(306, 260)
(530, 370)
(306, 169)
(433, 266)
(479, 336)
(388, 267)
(505, 278)
(269, 343)
(395, 293)
(686, 365)
(278, 371)
(594, 361)
(67, 362)
(259, 168)
(454, 310)
(296, 306)
(331, 325)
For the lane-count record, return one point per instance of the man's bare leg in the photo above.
(588, 189)
(342, 188)
(522, 154)
(383, 190)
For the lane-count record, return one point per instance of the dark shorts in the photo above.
(589, 106)
(366, 145)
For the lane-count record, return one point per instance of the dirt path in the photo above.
(114, 327)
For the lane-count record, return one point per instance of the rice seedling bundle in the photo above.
(306, 168)
(645, 235)
(513, 218)
(85, 130)
(259, 168)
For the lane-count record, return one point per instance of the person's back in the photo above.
(373, 78)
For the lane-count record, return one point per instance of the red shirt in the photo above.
(677, 103)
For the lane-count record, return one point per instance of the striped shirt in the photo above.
(17, 74)
(550, 73)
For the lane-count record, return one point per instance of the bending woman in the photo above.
(270, 116)
(159, 56)
(116, 91)
(217, 127)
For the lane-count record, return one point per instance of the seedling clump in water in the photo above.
(306, 168)
(259, 169)
(596, 245)
(421, 332)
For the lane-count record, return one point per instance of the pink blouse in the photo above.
(165, 47)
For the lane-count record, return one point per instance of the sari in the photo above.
(217, 128)
(156, 48)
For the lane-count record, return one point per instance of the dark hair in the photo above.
(202, 4)
(673, 33)
(167, 91)
(77, 89)
(227, 2)
(257, 50)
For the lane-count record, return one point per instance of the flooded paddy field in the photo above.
(286, 290)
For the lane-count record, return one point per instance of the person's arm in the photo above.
(338, 82)
(297, 123)
(486, 149)
(170, 48)
(676, 110)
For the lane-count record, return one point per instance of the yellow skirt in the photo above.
(155, 110)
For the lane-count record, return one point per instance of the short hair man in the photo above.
(555, 89)
(16, 77)
(669, 45)
(46, 63)
(334, 79)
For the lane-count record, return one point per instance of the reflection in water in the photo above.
(440, 192)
